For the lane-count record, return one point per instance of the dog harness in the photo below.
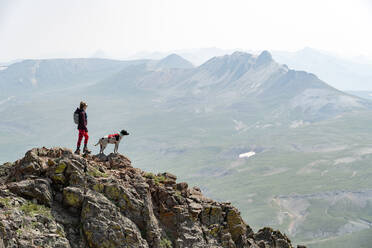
(114, 136)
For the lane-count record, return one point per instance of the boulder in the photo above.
(73, 197)
(38, 189)
(105, 226)
(182, 186)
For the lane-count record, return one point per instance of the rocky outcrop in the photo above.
(54, 198)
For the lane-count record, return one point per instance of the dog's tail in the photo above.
(97, 143)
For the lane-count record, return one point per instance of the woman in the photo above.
(82, 127)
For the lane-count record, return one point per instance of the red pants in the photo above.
(82, 133)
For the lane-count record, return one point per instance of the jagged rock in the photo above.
(281, 243)
(212, 215)
(118, 161)
(26, 224)
(38, 189)
(102, 201)
(182, 186)
(235, 223)
(73, 197)
(170, 176)
(105, 226)
(272, 238)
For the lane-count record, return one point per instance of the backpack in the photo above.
(76, 116)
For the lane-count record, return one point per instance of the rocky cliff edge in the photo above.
(54, 198)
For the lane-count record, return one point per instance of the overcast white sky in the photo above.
(78, 28)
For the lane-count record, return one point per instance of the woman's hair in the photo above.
(83, 104)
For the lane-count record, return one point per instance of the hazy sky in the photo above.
(78, 28)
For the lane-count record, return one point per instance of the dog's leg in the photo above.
(116, 148)
(100, 148)
(104, 147)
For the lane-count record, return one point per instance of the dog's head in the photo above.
(123, 132)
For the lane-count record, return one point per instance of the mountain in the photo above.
(195, 56)
(237, 81)
(201, 55)
(36, 76)
(172, 61)
(52, 74)
(340, 73)
(53, 198)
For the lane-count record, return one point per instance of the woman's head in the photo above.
(83, 105)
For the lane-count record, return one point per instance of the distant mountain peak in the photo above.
(238, 60)
(264, 57)
(173, 56)
(173, 61)
(244, 57)
(240, 54)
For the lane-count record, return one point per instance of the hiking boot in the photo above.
(77, 151)
(86, 150)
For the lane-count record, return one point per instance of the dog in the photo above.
(111, 139)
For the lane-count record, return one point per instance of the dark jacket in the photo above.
(83, 120)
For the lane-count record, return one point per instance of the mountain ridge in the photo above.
(242, 79)
(344, 74)
(34, 75)
(54, 198)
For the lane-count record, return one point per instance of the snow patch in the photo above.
(247, 154)
(298, 123)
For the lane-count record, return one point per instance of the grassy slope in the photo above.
(202, 149)
(360, 239)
